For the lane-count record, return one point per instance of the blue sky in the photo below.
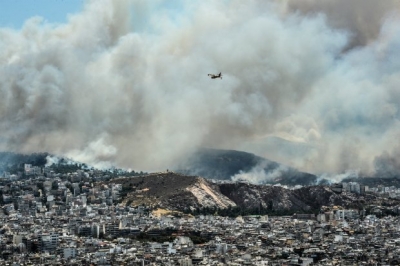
(13, 13)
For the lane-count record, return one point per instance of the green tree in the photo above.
(54, 185)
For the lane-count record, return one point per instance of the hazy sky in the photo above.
(13, 13)
(310, 83)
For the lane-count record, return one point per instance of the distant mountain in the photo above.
(238, 165)
(209, 163)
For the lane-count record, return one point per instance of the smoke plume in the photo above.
(258, 174)
(125, 82)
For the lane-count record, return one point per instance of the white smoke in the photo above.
(98, 152)
(258, 174)
(125, 83)
(51, 159)
(337, 178)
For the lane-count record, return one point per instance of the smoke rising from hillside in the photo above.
(258, 174)
(125, 82)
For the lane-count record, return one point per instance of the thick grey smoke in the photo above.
(125, 82)
(388, 164)
(362, 19)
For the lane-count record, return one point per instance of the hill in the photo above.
(172, 191)
(178, 192)
(238, 165)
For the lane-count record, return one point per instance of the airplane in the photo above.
(213, 76)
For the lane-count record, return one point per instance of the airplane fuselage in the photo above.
(215, 76)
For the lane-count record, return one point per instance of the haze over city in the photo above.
(311, 84)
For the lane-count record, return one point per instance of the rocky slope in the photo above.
(172, 191)
(208, 195)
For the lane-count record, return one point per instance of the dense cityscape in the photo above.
(76, 217)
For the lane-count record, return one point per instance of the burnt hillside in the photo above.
(279, 198)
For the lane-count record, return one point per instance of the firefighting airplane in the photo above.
(213, 76)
